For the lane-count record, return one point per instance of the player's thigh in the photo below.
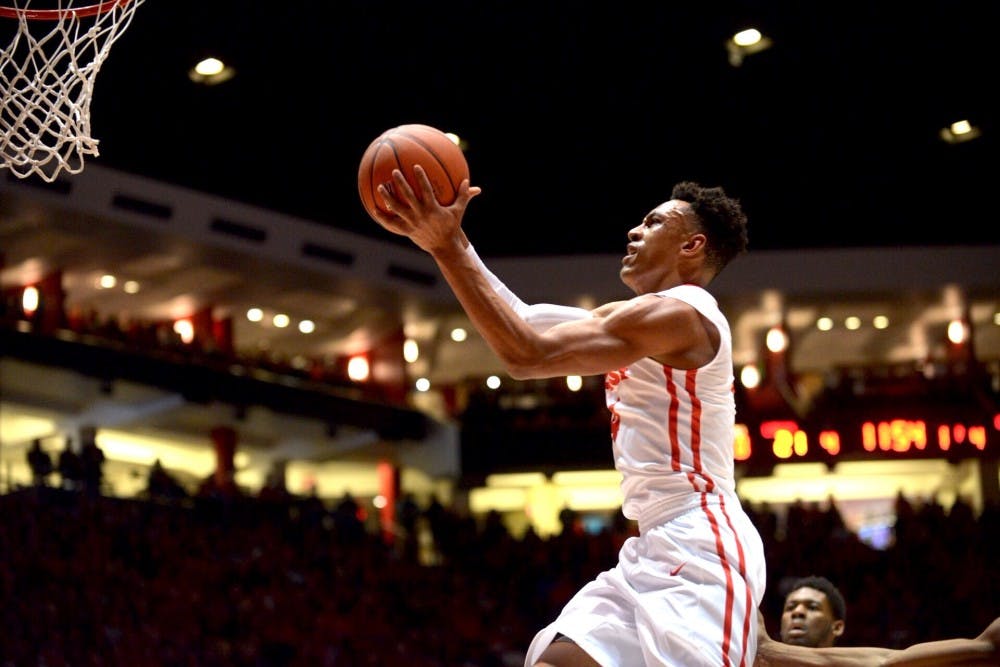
(561, 653)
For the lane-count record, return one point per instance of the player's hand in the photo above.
(421, 218)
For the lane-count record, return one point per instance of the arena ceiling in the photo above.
(577, 119)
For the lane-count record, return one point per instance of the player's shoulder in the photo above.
(697, 297)
(686, 290)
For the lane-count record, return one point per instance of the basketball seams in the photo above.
(434, 154)
(369, 193)
(408, 169)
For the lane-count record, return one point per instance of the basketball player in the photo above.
(814, 613)
(813, 619)
(685, 591)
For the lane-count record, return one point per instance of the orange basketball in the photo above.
(401, 148)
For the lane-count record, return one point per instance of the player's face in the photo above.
(650, 263)
(807, 619)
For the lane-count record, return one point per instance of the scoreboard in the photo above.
(859, 437)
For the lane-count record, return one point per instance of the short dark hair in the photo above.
(721, 217)
(833, 594)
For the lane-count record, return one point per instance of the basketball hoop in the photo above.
(47, 74)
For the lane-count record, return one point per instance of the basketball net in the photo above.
(47, 74)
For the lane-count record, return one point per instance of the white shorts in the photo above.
(683, 594)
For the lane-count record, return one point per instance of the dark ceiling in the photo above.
(578, 116)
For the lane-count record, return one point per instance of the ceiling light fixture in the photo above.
(959, 131)
(210, 72)
(746, 43)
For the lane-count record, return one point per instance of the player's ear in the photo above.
(837, 628)
(695, 243)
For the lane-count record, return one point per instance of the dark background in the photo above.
(578, 117)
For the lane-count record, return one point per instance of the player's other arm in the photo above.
(983, 651)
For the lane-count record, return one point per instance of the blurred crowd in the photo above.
(248, 581)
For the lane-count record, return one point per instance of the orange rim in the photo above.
(60, 14)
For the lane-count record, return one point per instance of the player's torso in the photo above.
(672, 429)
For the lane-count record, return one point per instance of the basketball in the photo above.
(401, 148)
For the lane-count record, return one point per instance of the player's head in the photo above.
(720, 217)
(814, 613)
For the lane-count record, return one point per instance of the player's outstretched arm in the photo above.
(992, 634)
(983, 651)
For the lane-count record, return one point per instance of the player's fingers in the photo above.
(392, 220)
(402, 191)
(388, 197)
(466, 192)
(426, 189)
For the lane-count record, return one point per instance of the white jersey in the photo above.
(684, 593)
(672, 429)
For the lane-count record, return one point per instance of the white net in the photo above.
(47, 74)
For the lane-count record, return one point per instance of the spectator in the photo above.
(170, 584)
(40, 463)
(162, 485)
(70, 467)
(570, 520)
(91, 460)
(409, 515)
(347, 520)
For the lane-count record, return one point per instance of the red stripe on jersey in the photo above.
(749, 614)
(675, 448)
(691, 386)
(727, 628)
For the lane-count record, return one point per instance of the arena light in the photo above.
(184, 329)
(746, 43)
(29, 300)
(776, 340)
(750, 376)
(210, 71)
(958, 332)
(411, 350)
(960, 131)
(358, 368)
